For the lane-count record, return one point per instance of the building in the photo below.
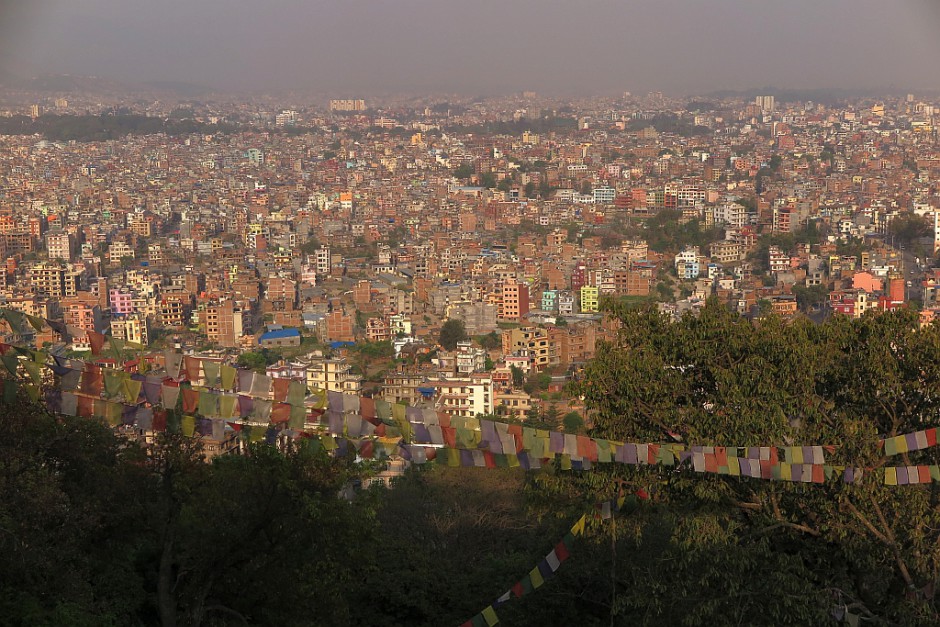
(59, 246)
(533, 343)
(590, 296)
(514, 304)
(464, 396)
(333, 375)
(347, 105)
(225, 324)
(53, 280)
(131, 328)
(279, 338)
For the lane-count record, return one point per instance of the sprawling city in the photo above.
(467, 357)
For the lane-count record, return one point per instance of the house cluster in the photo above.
(304, 230)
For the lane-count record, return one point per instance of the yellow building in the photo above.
(589, 299)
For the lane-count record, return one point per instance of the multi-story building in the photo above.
(59, 246)
(514, 304)
(131, 328)
(225, 323)
(82, 312)
(53, 280)
(465, 396)
(334, 375)
(172, 311)
(590, 296)
(534, 342)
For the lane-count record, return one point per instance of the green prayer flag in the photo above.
(188, 425)
(211, 370)
(9, 391)
(935, 473)
(36, 322)
(526, 585)
(117, 347)
(298, 417)
(33, 369)
(227, 405)
(32, 391)
(296, 392)
(208, 403)
(11, 362)
(891, 446)
(132, 390)
(112, 383)
(228, 375)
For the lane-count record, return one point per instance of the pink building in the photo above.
(121, 301)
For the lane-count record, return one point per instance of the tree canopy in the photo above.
(452, 331)
(771, 552)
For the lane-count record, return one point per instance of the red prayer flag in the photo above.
(652, 453)
(97, 342)
(819, 474)
(561, 551)
(932, 437)
(924, 473)
(192, 365)
(159, 419)
(517, 589)
(489, 459)
(450, 436)
(721, 453)
(280, 389)
(280, 412)
(190, 400)
(711, 462)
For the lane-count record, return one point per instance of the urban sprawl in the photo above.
(448, 252)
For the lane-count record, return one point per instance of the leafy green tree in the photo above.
(909, 227)
(721, 380)
(452, 331)
(809, 297)
(490, 341)
(464, 171)
(256, 360)
(518, 376)
(573, 422)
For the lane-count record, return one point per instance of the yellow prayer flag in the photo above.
(734, 468)
(891, 475)
(489, 615)
(796, 454)
(786, 473)
(536, 577)
(901, 443)
(578, 527)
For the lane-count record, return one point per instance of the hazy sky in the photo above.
(481, 46)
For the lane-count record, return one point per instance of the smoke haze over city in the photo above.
(555, 46)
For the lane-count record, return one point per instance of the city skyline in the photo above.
(597, 47)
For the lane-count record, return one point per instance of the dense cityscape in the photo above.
(414, 314)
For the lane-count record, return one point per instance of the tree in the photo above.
(909, 227)
(572, 422)
(490, 341)
(722, 380)
(98, 531)
(518, 376)
(452, 331)
(257, 360)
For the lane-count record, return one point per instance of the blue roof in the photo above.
(279, 334)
